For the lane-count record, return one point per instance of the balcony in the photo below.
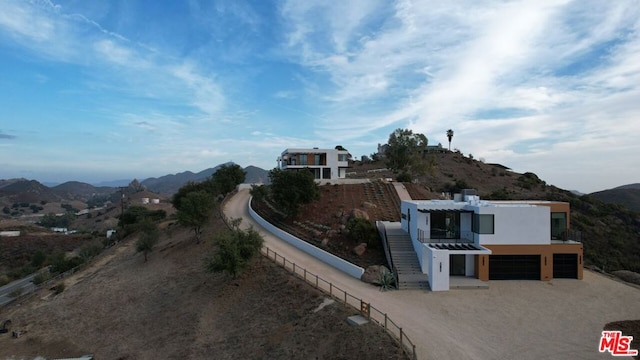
(439, 236)
(567, 236)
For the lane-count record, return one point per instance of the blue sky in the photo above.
(103, 90)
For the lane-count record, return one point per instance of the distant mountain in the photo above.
(629, 186)
(75, 190)
(169, 184)
(256, 175)
(28, 191)
(626, 195)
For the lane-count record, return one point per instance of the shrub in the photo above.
(387, 279)
(235, 250)
(41, 277)
(404, 177)
(58, 288)
(362, 230)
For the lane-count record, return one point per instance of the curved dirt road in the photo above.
(512, 319)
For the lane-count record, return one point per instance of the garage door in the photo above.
(514, 267)
(565, 266)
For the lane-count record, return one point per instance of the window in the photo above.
(303, 159)
(316, 159)
(343, 157)
(558, 225)
(483, 223)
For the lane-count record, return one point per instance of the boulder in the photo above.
(369, 205)
(357, 213)
(360, 249)
(324, 242)
(372, 274)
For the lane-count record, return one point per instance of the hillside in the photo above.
(610, 233)
(170, 308)
(627, 195)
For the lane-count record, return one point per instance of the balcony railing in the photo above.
(569, 235)
(464, 237)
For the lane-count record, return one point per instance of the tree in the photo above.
(406, 151)
(227, 177)
(450, 136)
(148, 239)
(291, 189)
(195, 210)
(235, 250)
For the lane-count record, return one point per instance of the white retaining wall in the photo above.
(336, 262)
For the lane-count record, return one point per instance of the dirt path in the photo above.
(513, 319)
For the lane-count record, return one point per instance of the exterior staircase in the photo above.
(402, 257)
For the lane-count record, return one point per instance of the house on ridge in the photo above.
(323, 163)
(492, 240)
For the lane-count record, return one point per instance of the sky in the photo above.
(102, 90)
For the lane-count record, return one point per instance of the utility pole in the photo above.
(122, 201)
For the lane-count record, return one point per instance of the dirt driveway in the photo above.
(561, 319)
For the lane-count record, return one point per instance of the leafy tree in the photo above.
(449, 136)
(148, 239)
(38, 259)
(259, 192)
(235, 249)
(406, 151)
(134, 216)
(227, 177)
(52, 220)
(189, 188)
(291, 189)
(195, 210)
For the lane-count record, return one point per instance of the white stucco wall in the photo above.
(517, 225)
(438, 272)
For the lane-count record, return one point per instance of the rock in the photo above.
(324, 242)
(343, 229)
(372, 274)
(357, 213)
(360, 249)
(369, 205)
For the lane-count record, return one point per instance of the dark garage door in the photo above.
(514, 267)
(565, 266)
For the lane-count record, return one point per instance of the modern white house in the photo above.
(323, 163)
(491, 240)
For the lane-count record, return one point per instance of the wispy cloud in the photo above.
(4, 136)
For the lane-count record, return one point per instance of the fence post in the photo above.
(345, 297)
(316, 281)
(305, 274)
(331, 289)
(414, 351)
(294, 268)
(401, 338)
(385, 321)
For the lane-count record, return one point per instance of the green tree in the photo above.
(195, 210)
(235, 250)
(227, 177)
(291, 189)
(406, 152)
(148, 239)
(450, 136)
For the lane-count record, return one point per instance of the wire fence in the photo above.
(366, 309)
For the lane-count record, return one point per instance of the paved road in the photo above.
(25, 284)
(512, 319)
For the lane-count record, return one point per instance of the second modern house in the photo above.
(323, 163)
(491, 240)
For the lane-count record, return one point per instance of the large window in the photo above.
(445, 225)
(303, 159)
(558, 225)
(343, 157)
(483, 223)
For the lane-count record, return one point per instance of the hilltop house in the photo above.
(323, 163)
(491, 240)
